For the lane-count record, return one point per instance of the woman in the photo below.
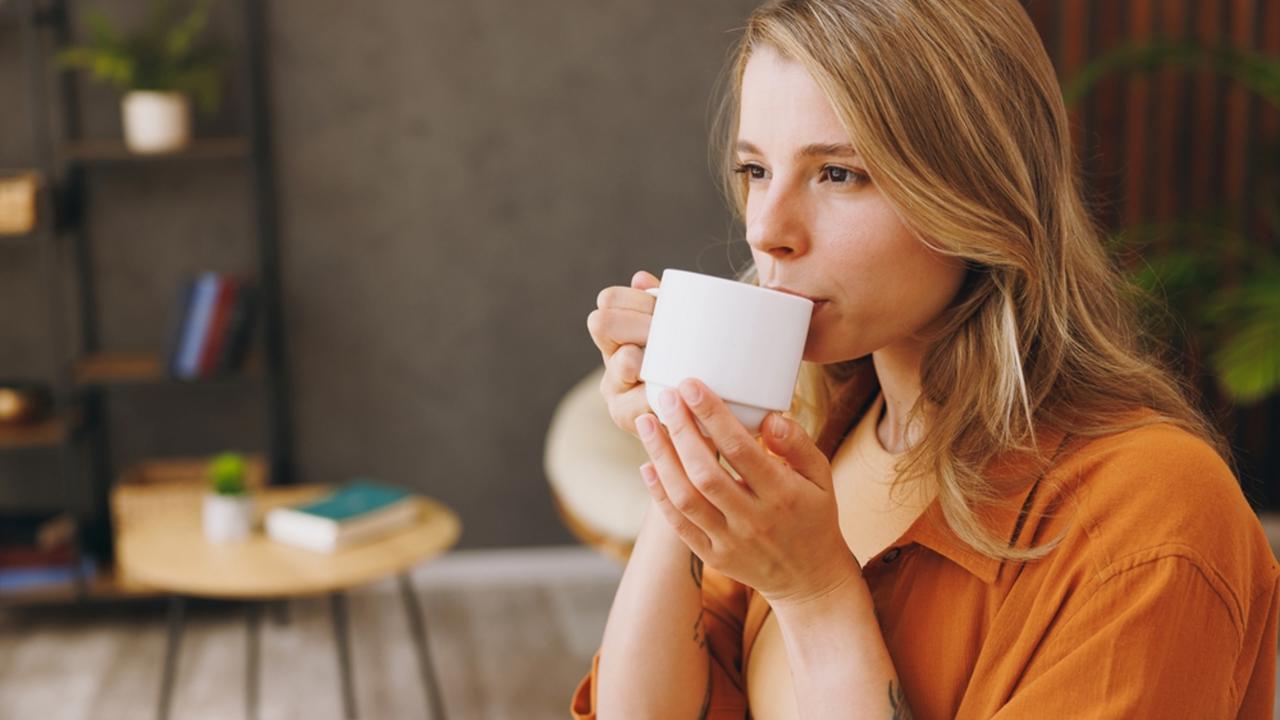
(989, 499)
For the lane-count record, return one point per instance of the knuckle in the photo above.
(595, 323)
(684, 502)
(735, 446)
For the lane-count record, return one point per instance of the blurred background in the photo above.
(396, 217)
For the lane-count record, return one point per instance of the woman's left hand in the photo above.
(776, 529)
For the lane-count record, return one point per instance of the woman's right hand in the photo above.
(619, 327)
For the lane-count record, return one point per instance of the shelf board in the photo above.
(143, 369)
(115, 151)
(49, 432)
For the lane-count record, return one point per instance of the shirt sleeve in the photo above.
(725, 604)
(1161, 637)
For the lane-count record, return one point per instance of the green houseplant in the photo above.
(228, 506)
(158, 67)
(1222, 288)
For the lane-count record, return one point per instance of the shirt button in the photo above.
(892, 555)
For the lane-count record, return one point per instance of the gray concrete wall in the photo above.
(457, 180)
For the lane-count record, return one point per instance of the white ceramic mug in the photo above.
(745, 342)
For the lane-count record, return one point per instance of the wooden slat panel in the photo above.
(1137, 128)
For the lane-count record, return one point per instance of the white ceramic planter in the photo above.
(156, 122)
(227, 518)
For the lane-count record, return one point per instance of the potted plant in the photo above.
(228, 506)
(159, 67)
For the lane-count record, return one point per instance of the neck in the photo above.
(898, 370)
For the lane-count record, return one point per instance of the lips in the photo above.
(797, 293)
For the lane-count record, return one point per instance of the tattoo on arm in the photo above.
(700, 632)
(898, 701)
(695, 569)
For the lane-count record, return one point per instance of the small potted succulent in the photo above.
(159, 67)
(228, 506)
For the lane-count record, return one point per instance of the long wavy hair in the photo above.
(957, 111)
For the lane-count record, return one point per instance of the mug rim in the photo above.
(737, 284)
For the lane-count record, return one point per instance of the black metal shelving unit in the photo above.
(77, 429)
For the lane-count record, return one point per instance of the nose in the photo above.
(776, 226)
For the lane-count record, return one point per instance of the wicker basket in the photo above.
(18, 193)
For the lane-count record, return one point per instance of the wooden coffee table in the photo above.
(165, 549)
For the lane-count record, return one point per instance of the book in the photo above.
(197, 325)
(235, 344)
(50, 577)
(211, 353)
(178, 325)
(358, 511)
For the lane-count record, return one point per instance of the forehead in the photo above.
(783, 106)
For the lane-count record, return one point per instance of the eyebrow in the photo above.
(812, 150)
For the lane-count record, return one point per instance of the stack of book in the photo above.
(212, 328)
(38, 554)
(357, 512)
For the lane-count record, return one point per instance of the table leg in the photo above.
(252, 611)
(338, 609)
(176, 608)
(418, 628)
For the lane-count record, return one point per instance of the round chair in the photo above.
(594, 471)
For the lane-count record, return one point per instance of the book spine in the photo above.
(222, 310)
(198, 326)
(178, 328)
(241, 328)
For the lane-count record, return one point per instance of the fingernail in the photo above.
(667, 399)
(779, 426)
(692, 393)
(644, 426)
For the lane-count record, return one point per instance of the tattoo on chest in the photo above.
(695, 569)
(898, 701)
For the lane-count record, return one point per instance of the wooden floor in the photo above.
(511, 634)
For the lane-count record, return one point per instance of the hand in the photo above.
(776, 529)
(619, 327)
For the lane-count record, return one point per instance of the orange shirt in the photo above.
(1160, 601)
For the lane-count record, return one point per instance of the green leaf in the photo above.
(1248, 362)
(227, 474)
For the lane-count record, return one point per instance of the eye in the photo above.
(844, 176)
(751, 170)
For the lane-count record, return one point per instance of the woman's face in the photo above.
(818, 225)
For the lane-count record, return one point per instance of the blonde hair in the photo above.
(955, 107)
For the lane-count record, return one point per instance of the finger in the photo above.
(643, 280)
(622, 369)
(626, 407)
(682, 494)
(698, 457)
(623, 298)
(788, 440)
(611, 328)
(728, 434)
(694, 538)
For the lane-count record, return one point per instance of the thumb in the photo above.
(644, 280)
(785, 438)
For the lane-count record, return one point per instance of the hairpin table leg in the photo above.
(176, 607)
(418, 628)
(338, 609)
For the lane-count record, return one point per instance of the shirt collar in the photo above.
(1018, 474)
(1005, 519)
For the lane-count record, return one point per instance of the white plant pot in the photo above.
(156, 122)
(227, 518)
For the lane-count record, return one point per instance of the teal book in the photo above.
(359, 511)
